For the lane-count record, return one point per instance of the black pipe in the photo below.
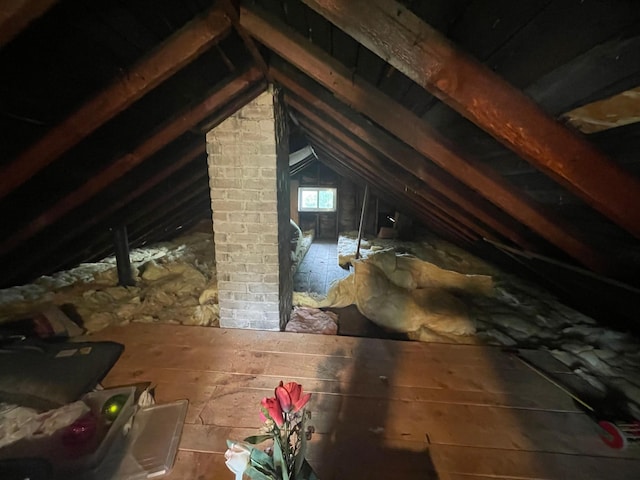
(123, 260)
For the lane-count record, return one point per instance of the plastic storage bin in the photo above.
(82, 453)
(150, 449)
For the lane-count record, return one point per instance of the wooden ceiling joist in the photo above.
(185, 191)
(181, 221)
(232, 12)
(398, 179)
(417, 134)
(166, 134)
(32, 261)
(363, 163)
(338, 161)
(473, 90)
(386, 183)
(403, 156)
(173, 54)
(16, 15)
(144, 220)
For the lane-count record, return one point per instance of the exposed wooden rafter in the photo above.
(166, 134)
(16, 15)
(172, 55)
(398, 179)
(416, 133)
(37, 258)
(473, 90)
(360, 163)
(343, 162)
(232, 12)
(398, 153)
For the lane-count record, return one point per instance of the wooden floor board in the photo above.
(497, 463)
(381, 408)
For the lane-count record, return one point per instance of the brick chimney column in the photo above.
(249, 179)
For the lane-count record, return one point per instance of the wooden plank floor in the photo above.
(382, 409)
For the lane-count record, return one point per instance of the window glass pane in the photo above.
(317, 199)
(325, 199)
(309, 199)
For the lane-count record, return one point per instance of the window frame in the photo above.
(333, 190)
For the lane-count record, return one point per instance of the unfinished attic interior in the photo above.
(423, 212)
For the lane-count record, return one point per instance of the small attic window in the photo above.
(317, 199)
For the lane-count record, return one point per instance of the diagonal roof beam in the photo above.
(360, 164)
(403, 156)
(338, 161)
(473, 90)
(16, 15)
(165, 135)
(399, 180)
(416, 133)
(188, 156)
(386, 184)
(54, 263)
(31, 262)
(232, 12)
(173, 54)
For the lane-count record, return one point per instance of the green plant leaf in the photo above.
(278, 460)
(302, 435)
(256, 474)
(261, 458)
(255, 439)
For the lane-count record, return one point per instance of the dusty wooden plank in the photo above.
(440, 354)
(486, 375)
(167, 133)
(198, 466)
(16, 15)
(438, 424)
(409, 371)
(427, 57)
(173, 54)
(416, 133)
(343, 457)
(176, 384)
(413, 378)
(471, 463)
(355, 411)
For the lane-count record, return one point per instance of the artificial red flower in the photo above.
(290, 397)
(272, 407)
